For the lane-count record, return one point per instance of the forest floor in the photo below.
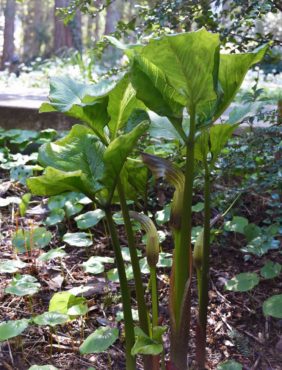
(237, 328)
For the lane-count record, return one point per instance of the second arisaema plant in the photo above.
(185, 78)
(92, 160)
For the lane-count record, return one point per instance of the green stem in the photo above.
(204, 279)
(182, 249)
(154, 289)
(128, 321)
(142, 310)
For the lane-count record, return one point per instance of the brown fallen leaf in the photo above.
(278, 346)
(61, 348)
(60, 339)
(4, 187)
(55, 283)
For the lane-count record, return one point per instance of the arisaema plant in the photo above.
(92, 159)
(185, 78)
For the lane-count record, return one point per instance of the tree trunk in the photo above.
(112, 17)
(62, 33)
(33, 30)
(97, 22)
(67, 36)
(9, 29)
(75, 27)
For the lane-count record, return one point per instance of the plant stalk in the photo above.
(182, 261)
(204, 276)
(142, 310)
(141, 303)
(182, 249)
(154, 289)
(128, 321)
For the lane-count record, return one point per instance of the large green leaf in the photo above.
(116, 153)
(54, 182)
(212, 141)
(122, 102)
(79, 162)
(232, 70)
(153, 89)
(83, 101)
(134, 177)
(189, 62)
(187, 70)
(79, 150)
(167, 74)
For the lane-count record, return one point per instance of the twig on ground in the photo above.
(255, 366)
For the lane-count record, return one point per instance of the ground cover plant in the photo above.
(91, 163)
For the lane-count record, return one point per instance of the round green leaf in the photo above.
(52, 254)
(196, 230)
(126, 254)
(51, 319)
(24, 240)
(77, 239)
(237, 224)
(54, 217)
(72, 208)
(198, 207)
(61, 302)
(40, 237)
(22, 285)
(144, 267)
(163, 215)
(11, 266)
(100, 340)
(120, 315)
(273, 306)
(230, 365)
(242, 282)
(270, 270)
(165, 260)
(251, 231)
(12, 329)
(112, 274)
(57, 201)
(89, 219)
(147, 346)
(95, 264)
(78, 310)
